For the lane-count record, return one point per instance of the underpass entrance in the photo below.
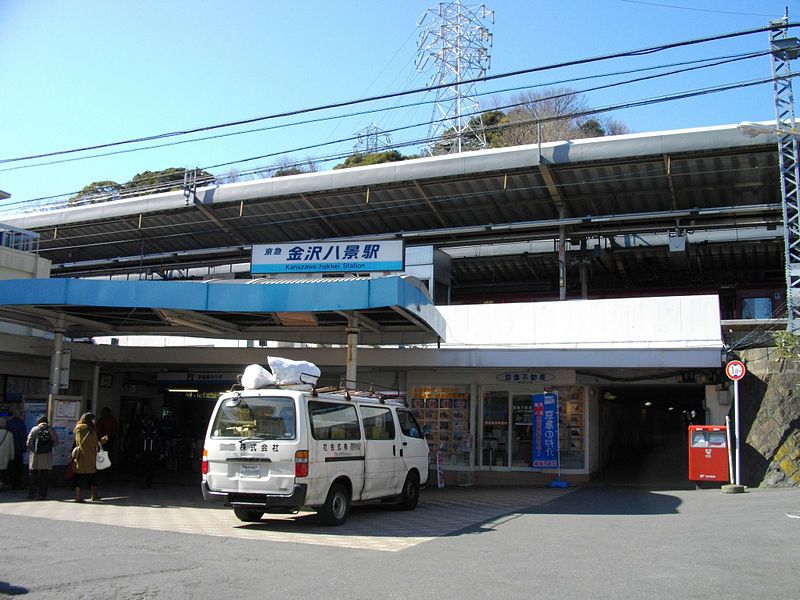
(643, 433)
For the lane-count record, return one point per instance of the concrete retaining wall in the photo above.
(769, 405)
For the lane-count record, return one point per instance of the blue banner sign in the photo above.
(545, 431)
(352, 256)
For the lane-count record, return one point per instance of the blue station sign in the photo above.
(328, 257)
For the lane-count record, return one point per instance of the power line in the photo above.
(632, 104)
(708, 10)
(583, 61)
(701, 63)
(576, 115)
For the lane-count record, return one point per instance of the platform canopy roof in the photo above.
(387, 310)
(712, 180)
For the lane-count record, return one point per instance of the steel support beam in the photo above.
(783, 49)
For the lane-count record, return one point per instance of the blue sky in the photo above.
(77, 73)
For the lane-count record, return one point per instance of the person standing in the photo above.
(17, 428)
(149, 450)
(107, 426)
(84, 462)
(41, 441)
(6, 450)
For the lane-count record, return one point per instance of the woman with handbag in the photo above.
(84, 456)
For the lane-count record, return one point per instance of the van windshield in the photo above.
(261, 417)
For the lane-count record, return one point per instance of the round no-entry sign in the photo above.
(735, 370)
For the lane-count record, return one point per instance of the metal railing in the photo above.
(19, 239)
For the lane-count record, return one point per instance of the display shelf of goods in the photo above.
(443, 413)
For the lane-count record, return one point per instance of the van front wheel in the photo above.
(336, 507)
(409, 495)
(248, 516)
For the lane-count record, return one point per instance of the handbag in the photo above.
(75, 454)
(102, 462)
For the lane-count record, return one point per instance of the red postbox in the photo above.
(708, 453)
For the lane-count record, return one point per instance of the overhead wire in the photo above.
(698, 9)
(576, 115)
(341, 104)
(699, 63)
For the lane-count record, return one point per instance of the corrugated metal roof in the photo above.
(702, 179)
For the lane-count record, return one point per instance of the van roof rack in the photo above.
(380, 395)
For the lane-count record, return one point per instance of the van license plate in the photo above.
(247, 470)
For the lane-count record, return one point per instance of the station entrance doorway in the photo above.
(643, 433)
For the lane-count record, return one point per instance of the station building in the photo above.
(619, 273)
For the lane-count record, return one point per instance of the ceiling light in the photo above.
(648, 403)
(183, 390)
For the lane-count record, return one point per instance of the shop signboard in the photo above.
(352, 256)
(545, 431)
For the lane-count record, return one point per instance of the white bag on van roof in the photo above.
(291, 372)
(256, 377)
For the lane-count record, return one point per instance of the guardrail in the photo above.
(19, 239)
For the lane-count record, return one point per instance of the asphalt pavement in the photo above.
(461, 542)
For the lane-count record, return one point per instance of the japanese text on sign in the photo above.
(545, 431)
(328, 257)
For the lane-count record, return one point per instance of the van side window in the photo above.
(409, 425)
(378, 423)
(333, 421)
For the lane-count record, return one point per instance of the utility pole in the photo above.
(783, 49)
(455, 44)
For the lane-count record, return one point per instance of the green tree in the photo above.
(551, 111)
(154, 182)
(788, 346)
(288, 171)
(361, 160)
(97, 191)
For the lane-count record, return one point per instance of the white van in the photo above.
(280, 450)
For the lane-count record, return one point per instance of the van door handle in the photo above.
(394, 450)
(405, 443)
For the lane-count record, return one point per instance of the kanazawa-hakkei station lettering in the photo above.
(327, 257)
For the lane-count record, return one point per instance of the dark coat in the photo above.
(45, 459)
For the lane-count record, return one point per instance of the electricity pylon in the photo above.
(455, 45)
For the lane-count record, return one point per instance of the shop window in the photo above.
(495, 429)
(443, 412)
(572, 427)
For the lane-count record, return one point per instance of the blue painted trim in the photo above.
(226, 297)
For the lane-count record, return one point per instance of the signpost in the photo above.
(735, 370)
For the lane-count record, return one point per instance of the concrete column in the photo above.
(55, 365)
(95, 388)
(352, 354)
(562, 258)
